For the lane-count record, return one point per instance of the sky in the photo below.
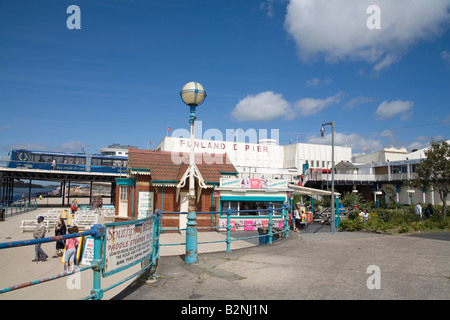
(112, 72)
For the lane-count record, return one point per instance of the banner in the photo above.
(127, 244)
(247, 183)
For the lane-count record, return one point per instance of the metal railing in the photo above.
(102, 244)
(229, 214)
(100, 268)
(18, 207)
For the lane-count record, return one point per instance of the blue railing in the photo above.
(229, 214)
(102, 244)
(18, 207)
(98, 265)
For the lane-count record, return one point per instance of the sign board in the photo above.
(145, 205)
(247, 183)
(127, 243)
(88, 252)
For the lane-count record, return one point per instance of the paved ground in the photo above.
(309, 266)
(305, 266)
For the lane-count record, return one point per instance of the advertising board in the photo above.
(126, 244)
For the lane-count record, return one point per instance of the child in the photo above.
(71, 251)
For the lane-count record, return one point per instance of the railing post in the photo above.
(228, 230)
(270, 224)
(286, 222)
(286, 219)
(97, 291)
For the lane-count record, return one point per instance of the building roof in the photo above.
(171, 166)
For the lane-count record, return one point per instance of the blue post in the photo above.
(97, 291)
(270, 224)
(228, 230)
(286, 219)
(191, 236)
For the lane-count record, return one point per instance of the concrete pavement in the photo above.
(309, 266)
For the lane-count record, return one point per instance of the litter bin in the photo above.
(2, 214)
(264, 231)
(263, 239)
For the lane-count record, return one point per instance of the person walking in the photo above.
(429, 211)
(418, 210)
(296, 219)
(39, 233)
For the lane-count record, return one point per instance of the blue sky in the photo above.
(265, 64)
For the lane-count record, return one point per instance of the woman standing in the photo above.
(60, 230)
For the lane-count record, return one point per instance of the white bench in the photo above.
(85, 220)
(30, 225)
(52, 217)
(109, 215)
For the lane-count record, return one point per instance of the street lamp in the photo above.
(193, 95)
(322, 134)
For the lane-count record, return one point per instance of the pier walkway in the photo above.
(305, 266)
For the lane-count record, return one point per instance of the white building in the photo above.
(116, 149)
(265, 159)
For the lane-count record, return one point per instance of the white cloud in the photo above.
(308, 106)
(337, 30)
(316, 82)
(357, 101)
(387, 110)
(264, 106)
(445, 55)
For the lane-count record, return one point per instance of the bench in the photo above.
(30, 225)
(85, 220)
(52, 217)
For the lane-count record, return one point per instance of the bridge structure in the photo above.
(9, 175)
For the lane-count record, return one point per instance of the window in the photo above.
(96, 162)
(123, 193)
(107, 162)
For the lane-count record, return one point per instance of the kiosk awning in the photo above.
(311, 191)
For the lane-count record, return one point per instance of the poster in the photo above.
(145, 205)
(88, 252)
(127, 244)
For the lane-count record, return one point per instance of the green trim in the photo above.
(140, 170)
(125, 182)
(274, 199)
(229, 173)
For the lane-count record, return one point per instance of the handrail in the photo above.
(229, 214)
(148, 262)
(98, 264)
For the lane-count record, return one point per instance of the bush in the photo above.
(403, 228)
(402, 218)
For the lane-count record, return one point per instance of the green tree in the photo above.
(434, 171)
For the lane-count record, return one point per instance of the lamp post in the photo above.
(193, 95)
(322, 134)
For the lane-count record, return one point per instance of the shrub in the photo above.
(418, 226)
(403, 228)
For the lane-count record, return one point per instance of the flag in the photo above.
(149, 142)
(169, 129)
